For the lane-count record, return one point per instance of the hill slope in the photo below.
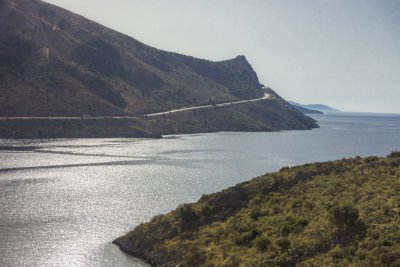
(56, 63)
(315, 107)
(51, 56)
(340, 213)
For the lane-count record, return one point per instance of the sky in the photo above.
(343, 53)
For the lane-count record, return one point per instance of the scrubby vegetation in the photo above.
(339, 213)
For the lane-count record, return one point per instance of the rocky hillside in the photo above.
(56, 63)
(339, 213)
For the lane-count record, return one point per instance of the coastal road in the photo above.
(266, 96)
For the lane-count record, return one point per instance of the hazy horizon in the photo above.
(345, 54)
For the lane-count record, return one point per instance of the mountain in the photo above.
(317, 107)
(338, 213)
(305, 110)
(54, 63)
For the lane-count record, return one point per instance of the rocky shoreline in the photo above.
(149, 256)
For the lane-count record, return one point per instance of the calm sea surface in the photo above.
(62, 202)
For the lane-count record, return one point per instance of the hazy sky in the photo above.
(344, 53)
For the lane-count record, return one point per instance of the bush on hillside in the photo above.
(255, 214)
(186, 213)
(294, 223)
(261, 243)
(344, 215)
(394, 154)
(246, 237)
(283, 243)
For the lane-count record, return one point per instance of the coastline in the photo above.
(247, 117)
(182, 237)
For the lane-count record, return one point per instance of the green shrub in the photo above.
(296, 203)
(257, 200)
(255, 214)
(394, 154)
(207, 210)
(247, 237)
(294, 222)
(283, 243)
(186, 213)
(371, 159)
(337, 252)
(346, 215)
(284, 169)
(261, 243)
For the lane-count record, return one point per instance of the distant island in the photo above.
(313, 108)
(336, 213)
(65, 76)
(305, 110)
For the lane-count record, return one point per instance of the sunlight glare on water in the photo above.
(64, 201)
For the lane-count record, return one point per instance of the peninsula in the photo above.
(343, 213)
